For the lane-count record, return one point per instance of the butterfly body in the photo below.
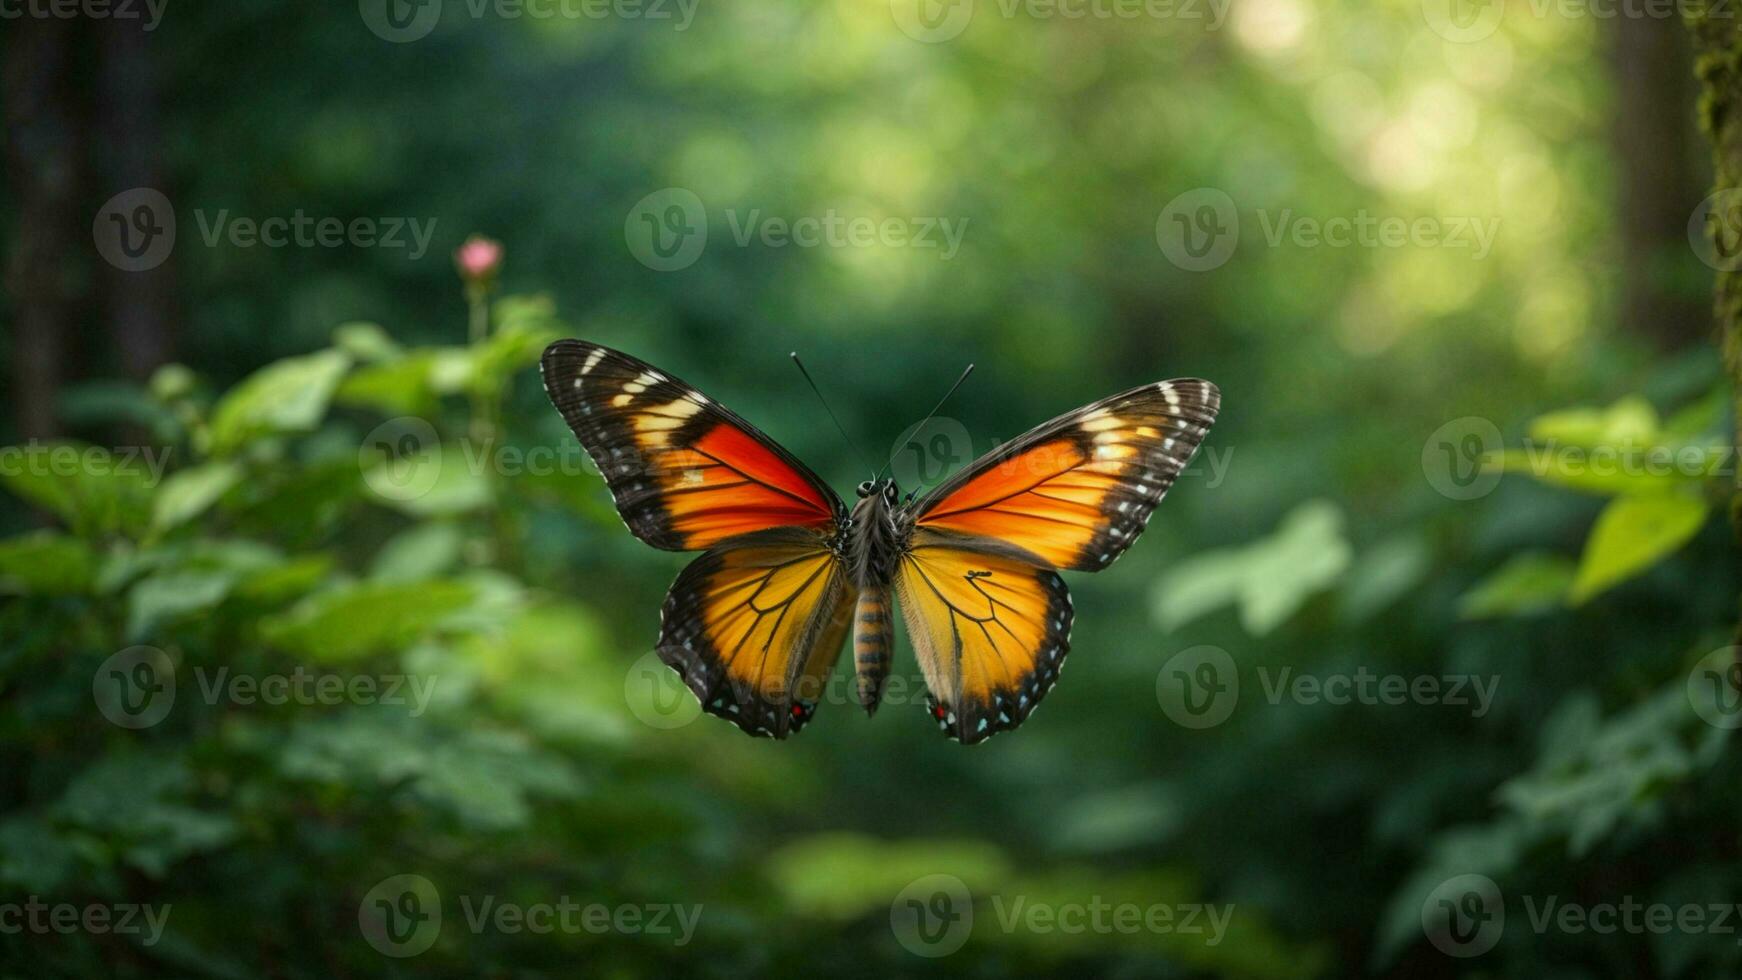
(754, 626)
(876, 534)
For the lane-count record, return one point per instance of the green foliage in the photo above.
(1268, 579)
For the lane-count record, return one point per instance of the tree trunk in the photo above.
(1718, 66)
(138, 304)
(1659, 181)
(42, 163)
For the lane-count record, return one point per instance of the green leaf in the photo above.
(167, 596)
(1631, 535)
(289, 396)
(93, 490)
(1648, 469)
(366, 342)
(1383, 574)
(405, 386)
(842, 876)
(1269, 579)
(46, 563)
(188, 493)
(1629, 420)
(1528, 583)
(353, 621)
(447, 482)
(420, 552)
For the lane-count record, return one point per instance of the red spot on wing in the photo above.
(734, 448)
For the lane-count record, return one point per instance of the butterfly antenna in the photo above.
(838, 426)
(934, 410)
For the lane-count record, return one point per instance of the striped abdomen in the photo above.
(871, 646)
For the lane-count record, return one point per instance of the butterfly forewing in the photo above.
(1076, 491)
(684, 472)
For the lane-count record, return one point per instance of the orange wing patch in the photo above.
(1078, 490)
(684, 472)
(990, 631)
(755, 627)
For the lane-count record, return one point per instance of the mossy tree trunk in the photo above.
(1717, 31)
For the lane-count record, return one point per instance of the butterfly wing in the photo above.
(755, 625)
(1076, 491)
(989, 627)
(685, 472)
(988, 614)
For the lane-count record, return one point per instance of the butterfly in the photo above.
(756, 624)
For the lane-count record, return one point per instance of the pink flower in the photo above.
(478, 259)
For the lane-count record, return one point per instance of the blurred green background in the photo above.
(333, 460)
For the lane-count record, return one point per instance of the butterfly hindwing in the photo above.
(755, 625)
(1076, 491)
(685, 472)
(989, 627)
